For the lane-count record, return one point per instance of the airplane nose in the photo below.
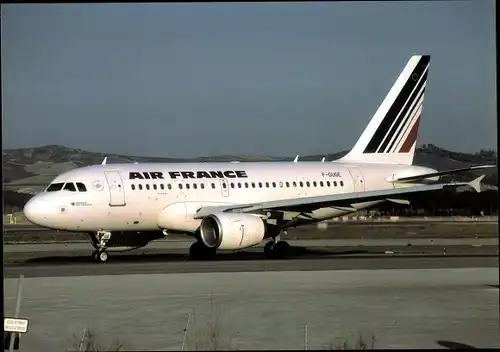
(34, 211)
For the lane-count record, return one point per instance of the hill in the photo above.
(28, 170)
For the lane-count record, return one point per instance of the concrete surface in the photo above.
(417, 308)
(115, 267)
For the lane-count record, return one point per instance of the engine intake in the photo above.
(232, 231)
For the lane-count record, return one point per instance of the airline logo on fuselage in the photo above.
(155, 175)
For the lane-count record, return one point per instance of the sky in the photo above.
(280, 79)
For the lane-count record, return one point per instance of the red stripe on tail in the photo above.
(412, 137)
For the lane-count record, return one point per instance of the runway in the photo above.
(232, 266)
(73, 259)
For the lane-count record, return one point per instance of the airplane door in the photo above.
(357, 178)
(224, 186)
(116, 191)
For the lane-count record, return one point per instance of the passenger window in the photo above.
(301, 184)
(81, 187)
(328, 183)
(162, 186)
(253, 184)
(70, 186)
(195, 186)
(147, 186)
(341, 183)
(232, 185)
(246, 184)
(202, 186)
(274, 184)
(314, 183)
(267, 184)
(294, 184)
(213, 185)
(180, 185)
(224, 185)
(133, 187)
(335, 183)
(169, 186)
(260, 184)
(187, 186)
(54, 187)
(281, 184)
(308, 184)
(287, 184)
(321, 183)
(154, 186)
(140, 187)
(239, 185)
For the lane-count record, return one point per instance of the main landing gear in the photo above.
(198, 250)
(100, 254)
(277, 249)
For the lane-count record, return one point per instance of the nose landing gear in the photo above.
(100, 256)
(100, 243)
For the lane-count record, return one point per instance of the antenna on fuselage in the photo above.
(104, 161)
(323, 160)
(296, 158)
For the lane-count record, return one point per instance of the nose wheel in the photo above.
(100, 256)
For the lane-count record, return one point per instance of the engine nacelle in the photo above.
(232, 231)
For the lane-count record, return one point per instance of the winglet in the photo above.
(296, 158)
(104, 161)
(476, 183)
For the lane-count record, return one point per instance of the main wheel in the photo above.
(268, 249)
(281, 250)
(199, 251)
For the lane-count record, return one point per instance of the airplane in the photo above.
(237, 205)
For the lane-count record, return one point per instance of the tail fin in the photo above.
(391, 135)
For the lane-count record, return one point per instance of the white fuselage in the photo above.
(173, 193)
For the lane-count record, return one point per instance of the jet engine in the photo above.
(232, 231)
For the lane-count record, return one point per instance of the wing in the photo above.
(441, 173)
(307, 204)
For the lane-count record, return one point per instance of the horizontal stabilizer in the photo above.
(399, 201)
(441, 173)
(476, 183)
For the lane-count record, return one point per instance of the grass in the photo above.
(208, 330)
(90, 341)
(348, 344)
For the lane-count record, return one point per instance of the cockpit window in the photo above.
(55, 187)
(81, 187)
(70, 186)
